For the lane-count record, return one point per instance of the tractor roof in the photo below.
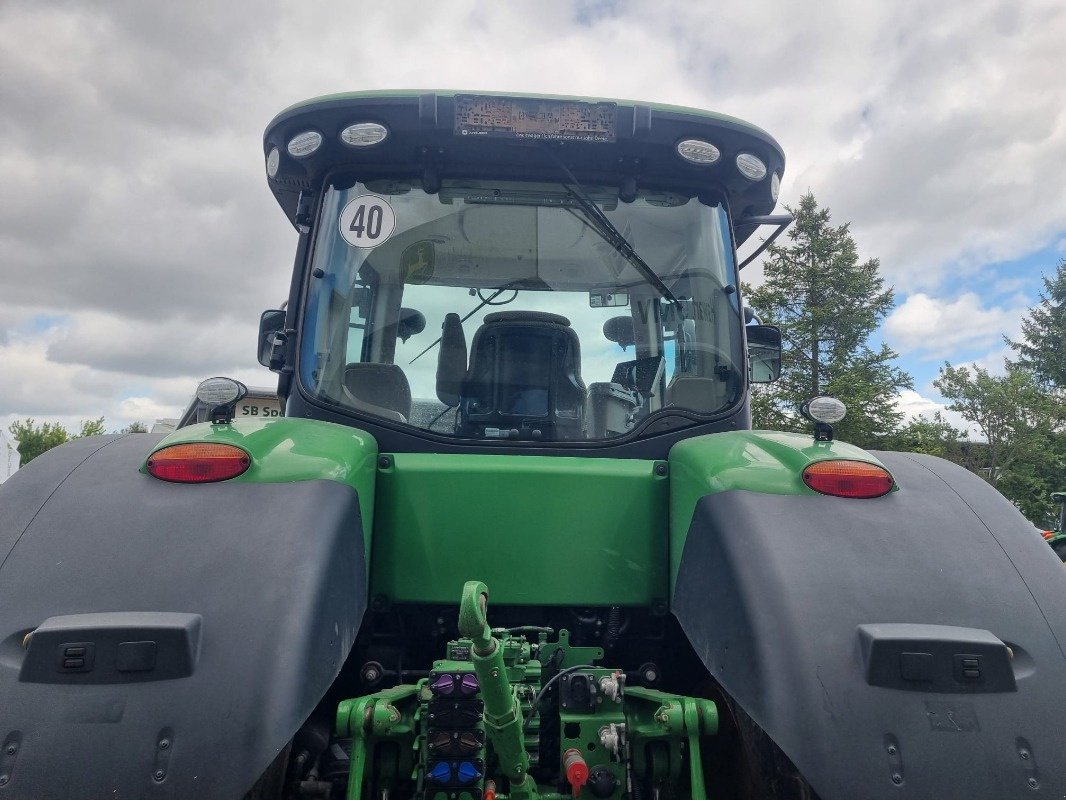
(427, 138)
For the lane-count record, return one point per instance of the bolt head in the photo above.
(11, 749)
(897, 779)
(164, 744)
(3, 780)
(159, 775)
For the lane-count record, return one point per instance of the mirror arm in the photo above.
(782, 221)
(281, 350)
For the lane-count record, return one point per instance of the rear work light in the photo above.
(848, 479)
(198, 462)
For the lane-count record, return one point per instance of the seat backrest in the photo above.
(451, 361)
(525, 375)
(381, 389)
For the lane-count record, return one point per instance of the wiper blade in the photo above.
(606, 229)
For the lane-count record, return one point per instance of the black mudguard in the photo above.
(803, 607)
(252, 594)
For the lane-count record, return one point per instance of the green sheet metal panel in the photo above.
(543, 530)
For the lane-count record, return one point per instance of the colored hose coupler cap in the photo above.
(577, 771)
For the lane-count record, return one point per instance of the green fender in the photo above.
(769, 462)
(286, 450)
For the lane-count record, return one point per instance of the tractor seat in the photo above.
(524, 375)
(380, 389)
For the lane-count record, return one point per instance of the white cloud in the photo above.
(915, 405)
(83, 368)
(937, 327)
(134, 201)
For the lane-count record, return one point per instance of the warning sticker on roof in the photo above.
(367, 221)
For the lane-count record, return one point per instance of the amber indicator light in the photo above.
(198, 462)
(848, 479)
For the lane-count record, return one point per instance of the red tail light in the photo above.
(198, 462)
(848, 479)
(1049, 534)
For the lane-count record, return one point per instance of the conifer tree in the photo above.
(1042, 349)
(828, 306)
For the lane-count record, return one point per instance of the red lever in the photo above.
(490, 790)
(577, 771)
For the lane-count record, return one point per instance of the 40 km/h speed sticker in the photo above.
(367, 221)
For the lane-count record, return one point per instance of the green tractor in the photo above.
(1057, 537)
(515, 364)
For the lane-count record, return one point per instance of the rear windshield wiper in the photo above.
(599, 222)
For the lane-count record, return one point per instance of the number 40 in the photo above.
(368, 219)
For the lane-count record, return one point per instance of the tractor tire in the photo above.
(271, 784)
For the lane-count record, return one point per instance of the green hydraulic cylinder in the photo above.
(503, 717)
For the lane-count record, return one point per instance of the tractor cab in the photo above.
(517, 271)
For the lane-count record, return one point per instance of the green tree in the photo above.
(135, 427)
(1043, 346)
(35, 438)
(1032, 478)
(1013, 412)
(90, 427)
(828, 306)
(933, 436)
(1042, 351)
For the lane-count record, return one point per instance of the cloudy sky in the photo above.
(138, 240)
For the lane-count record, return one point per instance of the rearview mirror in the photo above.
(608, 299)
(764, 353)
(269, 323)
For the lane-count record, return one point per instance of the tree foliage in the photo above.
(1013, 412)
(90, 427)
(1042, 349)
(933, 436)
(1031, 479)
(828, 305)
(35, 438)
(1021, 414)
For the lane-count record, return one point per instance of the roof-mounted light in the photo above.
(304, 144)
(220, 395)
(824, 409)
(775, 186)
(364, 134)
(219, 391)
(273, 162)
(697, 151)
(751, 167)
